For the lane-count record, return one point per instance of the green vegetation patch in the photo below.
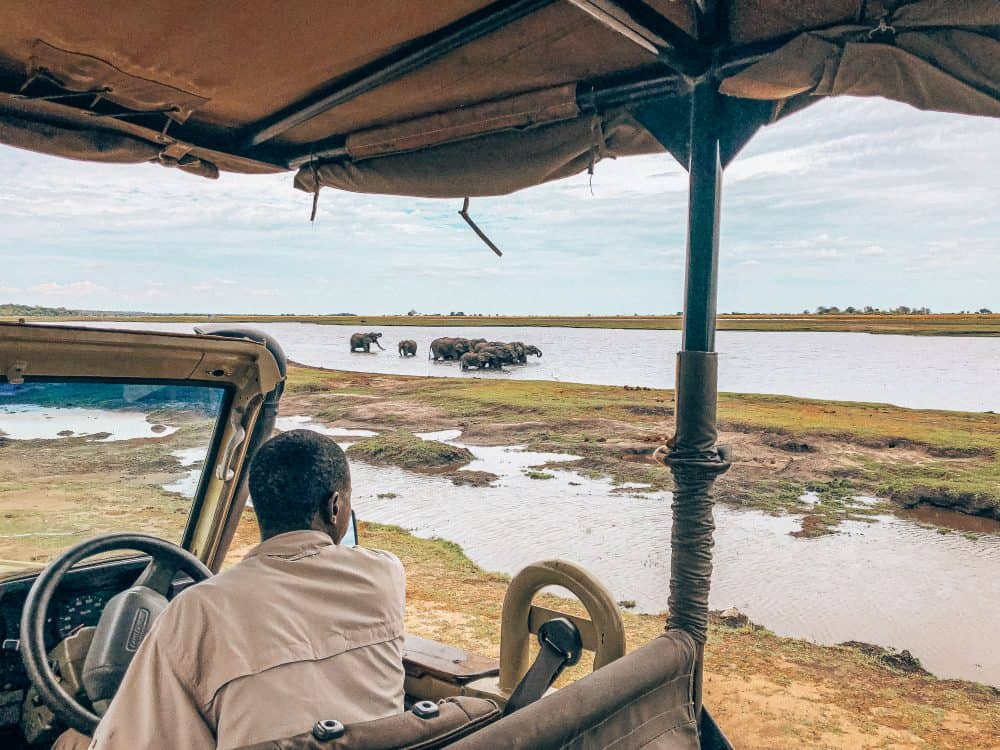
(407, 451)
(784, 446)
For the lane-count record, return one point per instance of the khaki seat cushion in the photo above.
(643, 700)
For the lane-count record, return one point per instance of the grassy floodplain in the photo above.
(945, 324)
(782, 446)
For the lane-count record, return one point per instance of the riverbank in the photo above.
(765, 691)
(810, 458)
(945, 324)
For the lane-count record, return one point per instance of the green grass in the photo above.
(539, 475)
(407, 451)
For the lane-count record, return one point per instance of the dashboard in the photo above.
(78, 603)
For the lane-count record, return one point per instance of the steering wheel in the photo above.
(124, 622)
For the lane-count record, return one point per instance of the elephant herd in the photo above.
(472, 354)
(480, 354)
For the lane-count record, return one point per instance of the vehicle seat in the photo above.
(642, 700)
(456, 718)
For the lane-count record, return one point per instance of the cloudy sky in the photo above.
(852, 202)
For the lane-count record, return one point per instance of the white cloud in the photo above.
(76, 288)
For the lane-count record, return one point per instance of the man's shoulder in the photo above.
(205, 600)
(376, 556)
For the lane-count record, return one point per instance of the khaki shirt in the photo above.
(299, 630)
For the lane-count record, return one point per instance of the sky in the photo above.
(851, 202)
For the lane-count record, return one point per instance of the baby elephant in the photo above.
(480, 361)
(362, 342)
(407, 348)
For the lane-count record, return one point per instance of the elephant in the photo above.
(481, 360)
(481, 344)
(471, 361)
(503, 354)
(518, 348)
(532, 350)
(447, 348)
(407, 348)
(363, 342)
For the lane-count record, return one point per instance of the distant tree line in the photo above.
(869, 310)
(10, 309)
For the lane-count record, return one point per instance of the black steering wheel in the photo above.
(124, 622)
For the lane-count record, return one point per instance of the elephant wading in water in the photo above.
(481, 360)
(407, 348)
(502, 353)
(362, 342)
(448, 348)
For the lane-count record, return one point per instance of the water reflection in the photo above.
(34, 422)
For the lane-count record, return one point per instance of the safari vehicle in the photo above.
(446, 99)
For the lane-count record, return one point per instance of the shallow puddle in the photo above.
(283, 424)
(30, 422)
(188, 484)
(892, 582)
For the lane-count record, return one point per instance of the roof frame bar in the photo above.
(396, 64)
(642, 25)
(591, 96)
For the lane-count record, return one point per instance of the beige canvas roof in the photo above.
(458, 97)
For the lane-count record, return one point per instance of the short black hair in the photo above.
(293, 475)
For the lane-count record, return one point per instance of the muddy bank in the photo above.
(797, 456)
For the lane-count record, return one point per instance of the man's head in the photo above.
(300, 480)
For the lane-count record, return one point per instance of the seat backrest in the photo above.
(456, 718)
(642, 700)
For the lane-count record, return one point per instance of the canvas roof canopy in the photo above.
(452, 98)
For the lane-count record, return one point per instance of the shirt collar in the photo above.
(291, 544)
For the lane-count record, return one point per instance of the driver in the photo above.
(301, 629)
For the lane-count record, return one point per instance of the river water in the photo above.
(926, 372)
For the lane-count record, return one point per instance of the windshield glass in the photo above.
(79, 459)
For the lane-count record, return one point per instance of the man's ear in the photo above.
(332, 508)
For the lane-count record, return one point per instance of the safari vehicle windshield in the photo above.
(81, 458)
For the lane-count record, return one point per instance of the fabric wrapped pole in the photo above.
(695, 462)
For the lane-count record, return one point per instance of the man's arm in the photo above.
(155, 706)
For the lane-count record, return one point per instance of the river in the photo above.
(923, 372)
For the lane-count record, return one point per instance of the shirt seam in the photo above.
(207, 707)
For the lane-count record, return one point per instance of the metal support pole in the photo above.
(704, 188)
(694, 459)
